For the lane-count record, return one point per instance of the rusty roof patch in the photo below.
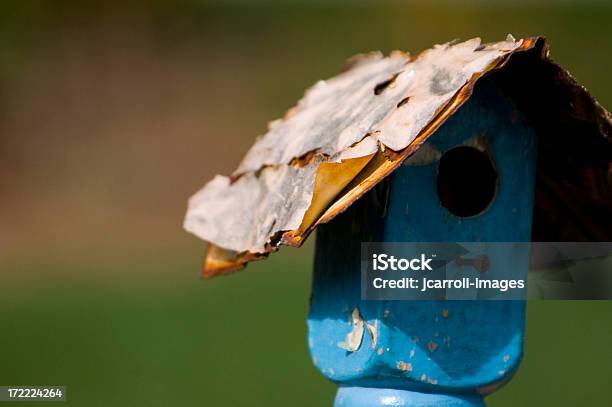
(341, 139)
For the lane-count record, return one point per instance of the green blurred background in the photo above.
(113, 113)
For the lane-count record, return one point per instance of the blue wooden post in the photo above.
(426, 353)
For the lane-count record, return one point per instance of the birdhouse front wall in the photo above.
(457, 346)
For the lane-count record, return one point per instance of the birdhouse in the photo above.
(465, 142)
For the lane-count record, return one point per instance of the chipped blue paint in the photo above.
(426, 353)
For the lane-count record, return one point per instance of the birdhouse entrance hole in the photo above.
(467, 181)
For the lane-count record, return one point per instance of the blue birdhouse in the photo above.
(467, 142)
(473, 180)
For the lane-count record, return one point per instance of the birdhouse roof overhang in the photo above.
(349, 132)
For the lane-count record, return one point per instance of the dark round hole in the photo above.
(467, 181)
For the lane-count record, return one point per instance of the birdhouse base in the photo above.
(370, 397)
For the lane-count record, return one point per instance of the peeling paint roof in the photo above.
(344, 136)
